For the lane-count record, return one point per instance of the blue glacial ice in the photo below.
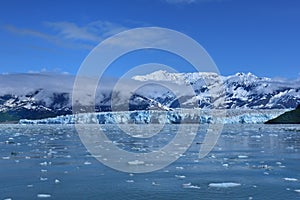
(237, 116)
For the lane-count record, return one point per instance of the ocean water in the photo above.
(248, 162)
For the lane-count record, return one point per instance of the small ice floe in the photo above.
(6, 158)
(256, 136)
(290, 148)
(130, 181)
(43, 195)
(7, 198)
(181, 168)
(290, 179)
(273, 135)
(136, 162)
(242, 156)
(149, 165)
(225, 165)
(298, 190)
(190, 186)
(9, 142)
(224, 185)
(56, 181)
(278, 163)
(44, 163)
(27, 157)
(87, 163)
(154, 183)
(44, 170)
(43, 179)
(267, 167)
(30, 186)
(180, 176)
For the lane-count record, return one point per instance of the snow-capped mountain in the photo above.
(35, 96)
(241, 90)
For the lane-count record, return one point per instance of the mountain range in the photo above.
(37, 96)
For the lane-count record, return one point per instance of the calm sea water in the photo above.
(248, 162)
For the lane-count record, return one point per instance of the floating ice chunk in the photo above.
(224, 185)
(242, 156)
(130, 181)
(87, 163)
(179, 168)
(43, 179)
(298, 190)
(136, 162)
(44, 195)
(30, 186)
(225, 165)
(154, 183)
(6, 158)
(44, 163)
(267, 167)
(57, 181)
(7, 199)
(290, 179)
(180, 176)
(190, 186)
(290, 148)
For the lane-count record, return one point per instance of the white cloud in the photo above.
(46, 71)
(65, 33)
(48, 37)
(93, 32)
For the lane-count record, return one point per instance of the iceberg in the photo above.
(224, 185)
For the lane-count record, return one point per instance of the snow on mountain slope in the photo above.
(241, 90)
(38, 96)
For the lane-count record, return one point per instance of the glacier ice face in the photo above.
(164, 117)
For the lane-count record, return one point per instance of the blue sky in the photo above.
(258, 36)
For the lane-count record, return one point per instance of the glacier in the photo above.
(178, 116)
